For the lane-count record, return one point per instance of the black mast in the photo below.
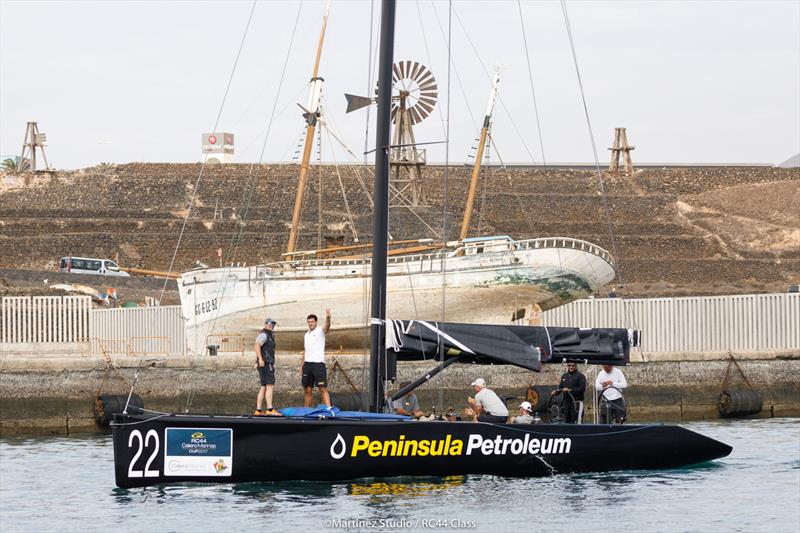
(380, 227)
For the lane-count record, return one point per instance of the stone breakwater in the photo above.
(678, 231)
(57, 395)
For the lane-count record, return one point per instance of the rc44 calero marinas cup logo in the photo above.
(198, 452)
(364, 446)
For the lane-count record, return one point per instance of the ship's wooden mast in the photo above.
(476, 169)
(311, 114)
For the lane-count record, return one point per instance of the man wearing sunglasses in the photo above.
(572, 385)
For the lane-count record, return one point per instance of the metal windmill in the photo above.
(414, 95)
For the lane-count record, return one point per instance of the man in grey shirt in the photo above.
(524, 416)
(486, 406)
(408, 405)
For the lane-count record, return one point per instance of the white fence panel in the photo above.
(138, 331)
(44, 319)
(751, 322)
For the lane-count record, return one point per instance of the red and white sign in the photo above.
(212, 139)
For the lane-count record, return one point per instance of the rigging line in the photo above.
(530, 77)
(484, 180)
(392, 188)
(603, 190)
(499, 98)
(349, 213)
(356, 165)
(319, 185)
(458, 76)
(430, 61)
(446, 167)
(369, 77)
(236, 239)
(205, 159)
(497, 152)
(289, 103)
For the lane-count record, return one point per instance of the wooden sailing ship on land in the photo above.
(514, 278)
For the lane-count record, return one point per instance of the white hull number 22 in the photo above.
(143, 443)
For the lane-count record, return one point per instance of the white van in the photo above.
(87, 265)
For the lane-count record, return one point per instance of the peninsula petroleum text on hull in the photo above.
(492, 280)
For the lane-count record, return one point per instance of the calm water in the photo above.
(67, 484)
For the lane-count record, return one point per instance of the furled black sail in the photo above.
(523, 346)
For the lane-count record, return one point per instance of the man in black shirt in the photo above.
(265, 363)
(574, 383)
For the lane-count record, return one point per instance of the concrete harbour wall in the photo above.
(57, 395)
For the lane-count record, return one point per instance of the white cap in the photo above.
(526, 406)
(480, 382)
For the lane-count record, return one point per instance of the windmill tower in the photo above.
(414, 95)
(621, 149)
(33, 140)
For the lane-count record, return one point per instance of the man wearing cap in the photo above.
(265, 362)
(486, 406)
(524, 417)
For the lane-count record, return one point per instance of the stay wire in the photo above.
(205, 159)
(451, 60)
(499, 98)
(430, 61)
(603, 189)
(369, 77)
(236, 239)
(530, 77)
(444, 189)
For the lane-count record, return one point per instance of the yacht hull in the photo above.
(153, 449)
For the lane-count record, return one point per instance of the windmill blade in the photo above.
(356, 102)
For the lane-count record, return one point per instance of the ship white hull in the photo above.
(223, 305)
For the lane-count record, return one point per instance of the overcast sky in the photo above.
(114, 81)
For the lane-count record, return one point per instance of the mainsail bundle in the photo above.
(523, 346)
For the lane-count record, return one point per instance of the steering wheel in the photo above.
(557, 405)
(613, 411)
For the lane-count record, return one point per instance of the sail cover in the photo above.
(523, 346)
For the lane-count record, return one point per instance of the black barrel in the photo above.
(107, 405)
(347, 401)
(734, 403)
(539, 395)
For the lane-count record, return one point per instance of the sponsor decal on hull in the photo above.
(364, 446)
(198, 452)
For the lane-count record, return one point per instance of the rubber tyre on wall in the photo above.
(107, 405)
(734, 403)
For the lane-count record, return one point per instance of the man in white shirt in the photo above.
(609, 382)
(313, 366)
(486, 406)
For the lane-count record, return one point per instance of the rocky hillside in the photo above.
(702, 230)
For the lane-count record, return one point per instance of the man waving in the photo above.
(313, 367)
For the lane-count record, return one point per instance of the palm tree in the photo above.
(12, 165)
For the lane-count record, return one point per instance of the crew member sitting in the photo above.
(486, 406)
(524, 417)
(574, 383)
(408, 405)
